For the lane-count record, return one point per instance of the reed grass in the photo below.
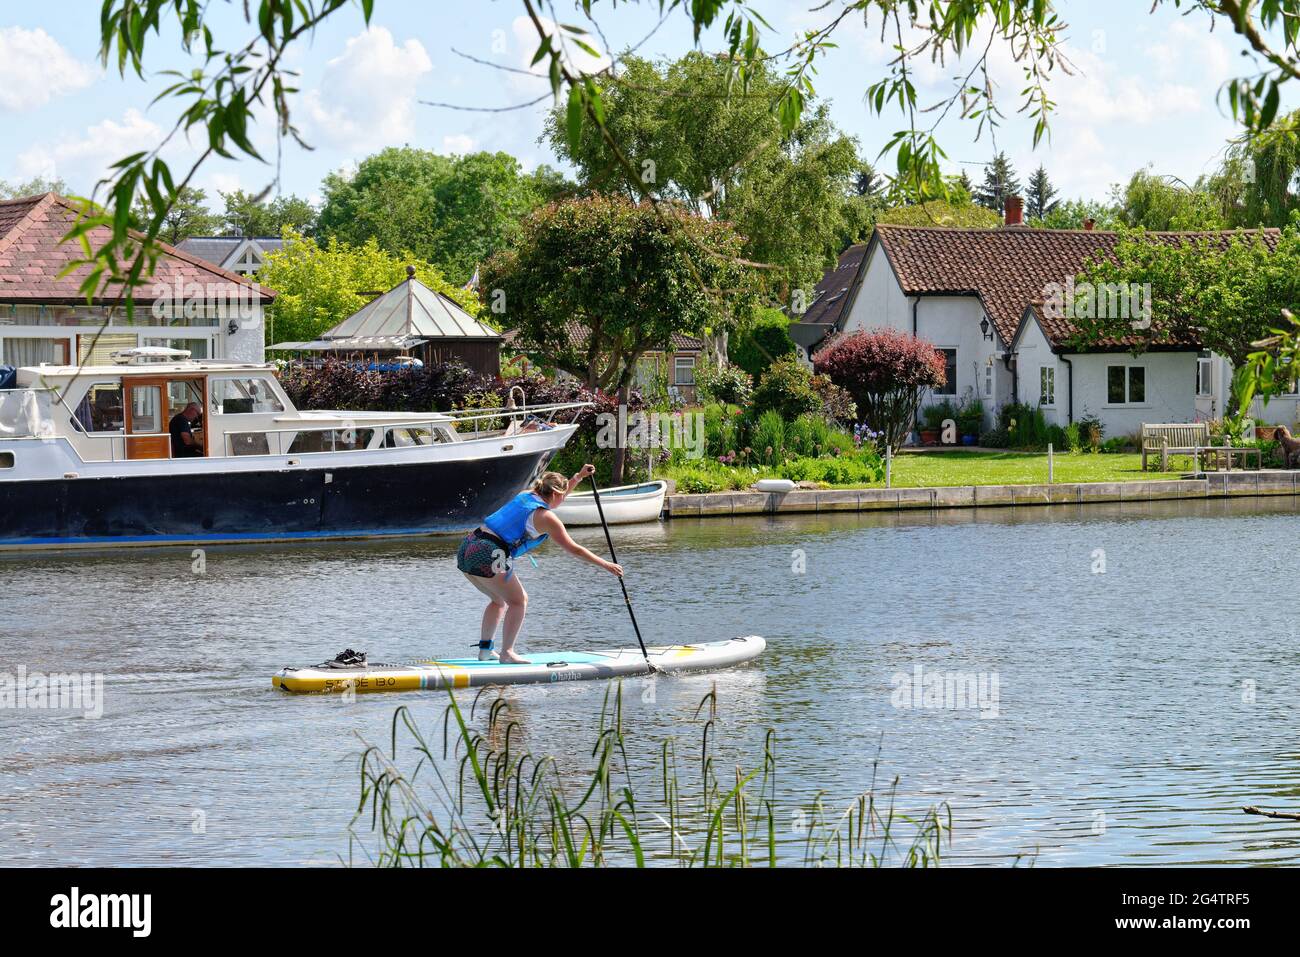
(475, 799)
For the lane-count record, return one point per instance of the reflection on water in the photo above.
(1139, 707)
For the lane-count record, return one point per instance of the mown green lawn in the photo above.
(925, 469)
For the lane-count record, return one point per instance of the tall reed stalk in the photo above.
(482, 801)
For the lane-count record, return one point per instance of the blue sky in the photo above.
(1143, 91)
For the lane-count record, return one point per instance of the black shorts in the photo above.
(481, 557)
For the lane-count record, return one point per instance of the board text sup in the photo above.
(542, 668)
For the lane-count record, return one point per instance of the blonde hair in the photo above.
(548, 483)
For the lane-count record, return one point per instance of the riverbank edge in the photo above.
(1222, 485)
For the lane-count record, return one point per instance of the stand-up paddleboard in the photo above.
(541, 668)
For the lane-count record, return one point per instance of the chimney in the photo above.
(1015, 207)
(1089, 224)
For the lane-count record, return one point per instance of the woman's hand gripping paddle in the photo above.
(609, 540)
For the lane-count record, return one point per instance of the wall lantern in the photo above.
(985, 329)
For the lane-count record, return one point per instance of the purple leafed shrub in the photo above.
(885, 372)
(351, 388)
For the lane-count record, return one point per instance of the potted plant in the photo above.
(932, 417)
(970, 420)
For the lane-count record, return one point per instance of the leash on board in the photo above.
(609, 540)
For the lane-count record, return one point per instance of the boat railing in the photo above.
(357, 436)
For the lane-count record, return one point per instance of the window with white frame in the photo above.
(1204, 376)
(249, 263)
(1046, 385)
(684, 370)
(1126, 385)
(988, 380)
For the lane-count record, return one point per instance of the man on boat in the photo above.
(486, 556)
(184, 444)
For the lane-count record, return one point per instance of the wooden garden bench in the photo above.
(1180, 438)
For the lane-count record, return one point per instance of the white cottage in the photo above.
(984, 297)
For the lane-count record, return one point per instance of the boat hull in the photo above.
(213, 507)
(624, 505)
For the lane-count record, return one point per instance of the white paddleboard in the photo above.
(542, 668)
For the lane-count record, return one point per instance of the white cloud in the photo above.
(34, 69)
(1095, 90)
(223, 183)
(575, 58)
(1195, 55)
(366, 97)
(458, 143)
(83, 161)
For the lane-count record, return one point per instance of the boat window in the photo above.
(248, 443)
(146, 417)
(101, 409)
(6, 460)
(331, 440)
(242, 396)
(421, 435)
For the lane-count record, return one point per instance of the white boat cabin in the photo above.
(112, 413)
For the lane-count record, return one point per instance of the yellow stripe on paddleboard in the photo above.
(367, 683)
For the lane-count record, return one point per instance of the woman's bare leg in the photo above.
(516, 607)
(508, 595)
(491, 614)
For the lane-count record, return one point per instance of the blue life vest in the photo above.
(510, 523)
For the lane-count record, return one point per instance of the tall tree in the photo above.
(32, 187)
(938, 212)
(1000, 181)
(245, 215)
(625, 277)
(687, 132)
(1259, 181)
(188, 216)
(866, 181)
(1160, 203)
(453, 211)
(1075, 213)
(1223, 294)
(1040, 197)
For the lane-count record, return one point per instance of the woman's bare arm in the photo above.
(550, 523)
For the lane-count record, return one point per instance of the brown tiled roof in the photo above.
(1008, 268)
(836, 289)
(32, 256)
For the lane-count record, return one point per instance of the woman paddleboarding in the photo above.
(486, 556)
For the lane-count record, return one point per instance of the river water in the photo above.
(1145, 660)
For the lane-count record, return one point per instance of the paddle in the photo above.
(609, 540)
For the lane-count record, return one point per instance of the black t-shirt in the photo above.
(179, 427)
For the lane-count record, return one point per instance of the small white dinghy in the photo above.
(624, 505)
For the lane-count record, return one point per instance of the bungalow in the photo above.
(988, 299)
(188, 303)
(242, 254)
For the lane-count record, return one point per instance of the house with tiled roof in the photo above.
(242, 254)
(188, 303)
(991, 300)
